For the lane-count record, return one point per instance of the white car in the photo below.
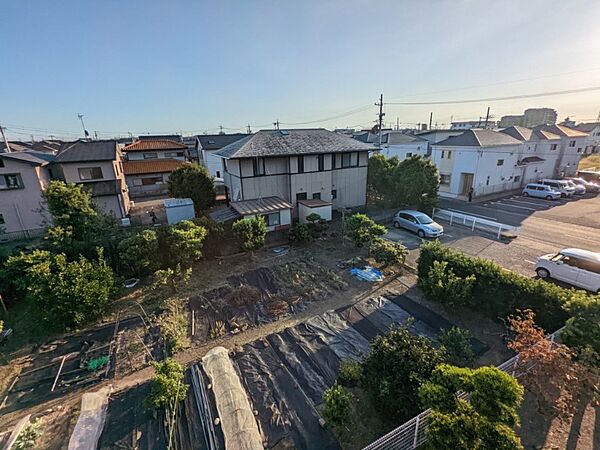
(577, 267)
(560, 186)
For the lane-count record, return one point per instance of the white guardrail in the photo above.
(413, 433)
(474, 222)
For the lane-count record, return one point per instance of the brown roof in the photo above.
(151, 166)
(154, 144)
(314, 203)
(260, 205)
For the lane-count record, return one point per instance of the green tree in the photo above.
(486, 421)
(173, 278)
(193, 181)
(379, 173)
(387, 252)
(444, 286)
(362, 230)
(582, 332)
(181, 244)
(14, 282)
(399, 362)
(137, 253)
(337, 404)
(167, 388)
(251, 232)
(70, 205)
(456, 342)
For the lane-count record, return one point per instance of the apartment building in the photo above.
(570, 150)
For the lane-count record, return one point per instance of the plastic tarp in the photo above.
(89, 426)
(237, 420)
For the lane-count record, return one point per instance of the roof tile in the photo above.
(151, 166)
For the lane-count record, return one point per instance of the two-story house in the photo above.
(593, 139)
(207, 145)
(148, 164)
(296, 171)
(486, 161)
(23, 177)
(397, 144)
(97, 165)
(572, 145)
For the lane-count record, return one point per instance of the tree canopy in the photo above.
(251, 232)
(167, 388)
(362, 230)
(193, 181)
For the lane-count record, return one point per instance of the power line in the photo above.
(338, 116)
(493, 99)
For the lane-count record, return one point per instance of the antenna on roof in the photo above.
(276, 124)
(5, 140)
(248, 129)
(85, 132)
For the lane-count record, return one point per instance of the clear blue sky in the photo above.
(165, 66)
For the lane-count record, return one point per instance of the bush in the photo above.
(362, 230)
(350, 373)
(171, 278)
(167, 388)
(337, 403)
(456, 343)
(399, 362)
(181, 244)
(28, 436)
(443, 286)
(173, 326)
(316, 224)
(251, 232)
(582, 332)
(387, 252)
(137, 253)
(193, 181)
(300, 233)
(495, 291)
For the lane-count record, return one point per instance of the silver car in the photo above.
(418, 222)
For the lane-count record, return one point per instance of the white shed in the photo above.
(179, 209)
(314, 206)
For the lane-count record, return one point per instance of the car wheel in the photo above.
(542, 273)
(525, 194)
(421, 234)
(396, 224)
(548, 197)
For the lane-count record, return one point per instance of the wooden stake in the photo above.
(58, 374)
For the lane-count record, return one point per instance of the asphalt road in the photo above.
(545, 227)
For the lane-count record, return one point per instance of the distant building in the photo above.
(571, 148)
(530, 118)
(592, 144)
(510, 121)
(470, 124)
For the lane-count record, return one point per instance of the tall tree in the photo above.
(363, 230)
(193, 181)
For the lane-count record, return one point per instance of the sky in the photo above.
(189, 66)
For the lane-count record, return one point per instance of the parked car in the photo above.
(579, 188)
(418, 222)
(578, 267)
(541, 191)
(560, 186)
(590, 186)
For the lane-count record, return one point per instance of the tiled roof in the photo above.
(260, 205)
(587, 127)
(292, 142)
(479, 138)
(154, 144)
(527, 134)
(218, 141)
(402, 138)
(561, 130)
(151, 166)
(81, 151)
(30, 157)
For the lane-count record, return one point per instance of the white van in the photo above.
(580, 268)
(560, 186)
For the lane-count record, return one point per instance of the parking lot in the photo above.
(545, 227)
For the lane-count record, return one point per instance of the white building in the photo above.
(571, 148)
(209, 144)
(592, 144)
(470, 124)
(403, 145)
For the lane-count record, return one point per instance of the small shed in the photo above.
(314, 206)
(276, 211)
(179, 209)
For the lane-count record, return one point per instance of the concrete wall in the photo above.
(304, 211)
(285, 219)
(21, 209)
(110, 204)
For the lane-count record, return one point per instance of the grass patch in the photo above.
(589, 162)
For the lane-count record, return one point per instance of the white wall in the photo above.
(401, 150)
(304, 211)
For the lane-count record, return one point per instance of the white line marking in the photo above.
(524, 202)
(530, 262)
(515, 206)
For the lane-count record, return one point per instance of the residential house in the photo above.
(592, 144)
(470, 124)
(571, 148)
(209, 144)
(98, 166)
(486, 161)
(539, 152)
(438, 135)
(148, 164)
(402, 145)
(277, 171)
(23, 177)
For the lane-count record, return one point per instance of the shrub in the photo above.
(457, 346)
(362, 230)
(173, 326)
(350, 373)
(251, 232)
(496, 291)
(387, 252)
(337, 405)
(399, 362)
(444, 286)
(300, 233)
(28, 436)
(137, 253)
(167, 386)
(582, 332)
(172, 278)
(181, 244)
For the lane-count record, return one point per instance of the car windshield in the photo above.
(423, 219)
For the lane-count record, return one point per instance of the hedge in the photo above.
(496, 292)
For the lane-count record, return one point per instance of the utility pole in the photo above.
(221, 129)
(5, 140)
(487, 117)
(276, 124)
(83, 125)
(397, 123)
(430, 119)
(248, 129)
(381, 115)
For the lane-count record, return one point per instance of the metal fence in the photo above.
(21, 235)
(413, 433)
(475, 222)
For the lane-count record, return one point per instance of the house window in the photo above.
(90, 173)
(272, 219)
(517, 178)
(152, 155)
(487, 181)
(301, 196)
(500, 162)
(409, 155)
(317, 196)
(333, 194)
(1, 163)
(571, 143)
(321, 162)
(579, 150)
(553, 146)
(300, 164)
(218, 174)
(2, 221)
(174, 154)
(449, 154)
(346, 160)
(151, 180)
(333, 160)
(259, 166)
(12, 181)
(445, 179)
(443, 153)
